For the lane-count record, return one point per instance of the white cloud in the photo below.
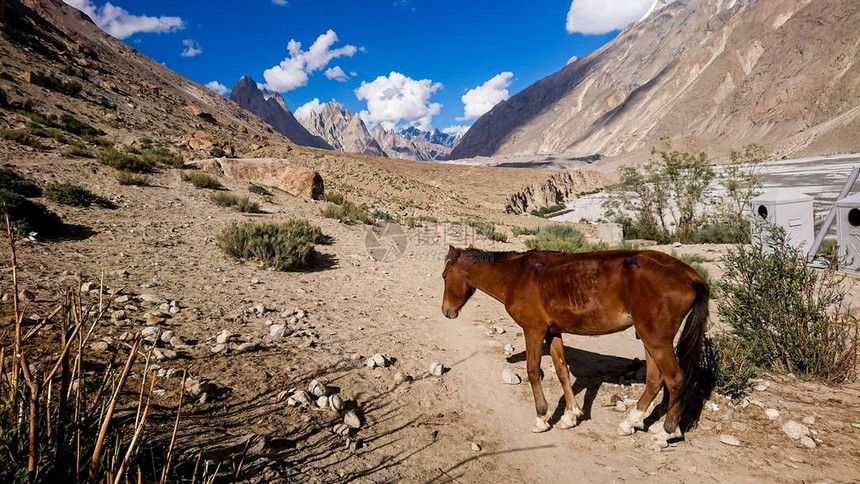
(395, 98)
(456, 129)
(602, 16)
(217, 87)
(481, 99)
(293, 71)
(279, 2)
(336, 73)
(313, 105)
(118, 22)
(192, 48)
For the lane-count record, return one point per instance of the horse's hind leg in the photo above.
(572, 410)
(534, 351)
(653, 382)
(673, 377)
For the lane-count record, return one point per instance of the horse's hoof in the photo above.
(569, 419)
(662, 438)
(540, 426)
(624, 429)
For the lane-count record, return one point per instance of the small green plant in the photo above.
(335, 198)
(202, 180)
(789, 316)
(419, 221)
(727, 365)
(15, 183)
(348, 213)
(382, 215)
(560, 238)
(242, 204)
(217, 152)
(259, 190)
(4, 100)
(78, 151)
(548, 211)
(72, 125)
(284, 247)
(486, 229)
(75, 196)
(158, 155)
(128, 178)
(124, 161)
(518, 231)
(22, 137)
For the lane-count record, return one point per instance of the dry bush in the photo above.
(280, 246)
(75, 196)
(202, 180)
(128, 178)
(348, 213)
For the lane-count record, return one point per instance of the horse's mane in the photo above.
(497, 256)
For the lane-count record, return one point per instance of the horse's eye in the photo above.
(444, 276)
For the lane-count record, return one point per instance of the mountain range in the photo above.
(709, 75)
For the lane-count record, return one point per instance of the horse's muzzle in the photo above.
(450, 313)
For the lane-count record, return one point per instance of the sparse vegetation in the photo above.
(202, 180)
(259, 190)
(284, 247)
(419, 221)
(22, 137)
(73, 125)
(335, 198)
(54, 83)
(29, 216)
(549, 211)
(128, 178)
(382, 215)
(787, 316)
(75, 196)
(487, 230)
(242, 204)
(78, 151)
(217, 152)
(727, 365)
(518, 231)
(15, 183)
(124, 161)
(695, 261)
(348, 213)
(158, 155)
(562, 238)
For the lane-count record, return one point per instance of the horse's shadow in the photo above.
(590, 370)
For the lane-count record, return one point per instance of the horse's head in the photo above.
(457, 287)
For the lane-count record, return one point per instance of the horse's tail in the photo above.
(693, 336)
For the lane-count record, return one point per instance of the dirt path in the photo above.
(413, 431)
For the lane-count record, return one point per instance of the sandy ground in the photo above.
(413, 431)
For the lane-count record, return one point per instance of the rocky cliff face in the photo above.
(396, 145)
(342, 130)
(702, 74)
(556, 189)
(270, 107)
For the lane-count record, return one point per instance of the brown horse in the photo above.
(550, 293)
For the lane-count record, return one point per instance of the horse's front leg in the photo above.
(534, 351)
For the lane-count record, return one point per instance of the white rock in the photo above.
(351, 420)
(760, 387)
(794, 430)
(163, 354)
(730, 440)
(317, 388)
(150, 333)
(809, 420)
(277, 330)
(510, 377)
(772, 413)
(620, 406)
(173, 310)
(322, 402)
(100, 346)
(219, 348)
(223, 337)
(509, 349)
(807, 442)
(117, 315)
(341, 429)
(150, 298)
(335, 402)
(301, 398)
(476, 447)
(437, 369)
(246, 347)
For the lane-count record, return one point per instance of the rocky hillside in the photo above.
(702, 74)
(433, 136)
(341, 129)
(397, 145)
(270, 107)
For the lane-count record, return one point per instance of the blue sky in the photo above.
(452, 46)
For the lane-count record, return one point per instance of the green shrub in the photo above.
(97, 141)
(128, 178)
(419, 221)
(548, 211)
(381, 215)
(335, 198)
(259, 190)
(560, 238)
(124, 161)
(486, 229)
(217, 152)
(75, 196)
(202, 180)
(4, 99)
(727, 365)
(72, 125)
(348, 213)
(789, 316)
(78, 151)
(158, 155)
(54, 83)
(245, 205)
(224, 199)
(722, 233)
(518, 231)
(15, 183)
(22, 137)
(28, 216)
(285, 246)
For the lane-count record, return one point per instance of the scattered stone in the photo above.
(152, 319)
(126, 336)
(437, 369)
(509, 350)
(223, 337)
(300, 397)
(317, 388)
(510, 377)
(335, 402)
(351, 420)
(100, 346)
(807, 442)
(197, 387)
(706, 424)
(739, 426)
(476, 447)
(760, 387)
(794, 430)
(164, 307)
(300, 313)
(322, 402)
(163, 354)
(400, 378)
(341, 429)
(246, 347)
(122, 299)
(620, 406)
(117, 315)
(355, 357)
(178, 342)
(166, 336)
(730, 440)
(174, 310)
(772, 413)
(809, 420)
(277, 330)
(150, 333)
(150, 298)
(219, 348)
(378, 360)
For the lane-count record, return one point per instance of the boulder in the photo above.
(277, 173)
